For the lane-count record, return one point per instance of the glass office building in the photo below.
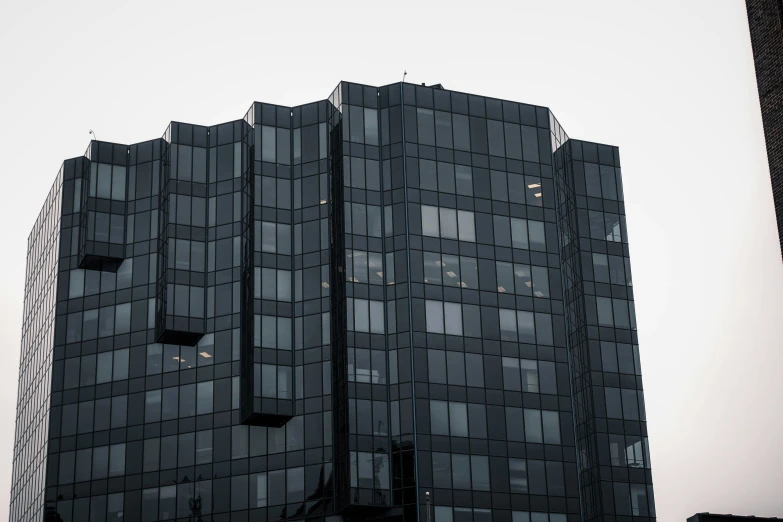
(400, 302)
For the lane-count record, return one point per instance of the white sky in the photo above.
(670, 82)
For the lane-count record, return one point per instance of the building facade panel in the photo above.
(765, 21)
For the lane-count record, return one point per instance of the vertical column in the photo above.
(578, 357)
(610, 416)
(269, 400)
(340, 420)
(362, 444)
(143, 235)
(401, 374)
(311, 296)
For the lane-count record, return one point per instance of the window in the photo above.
(505, 277)
(529, 376)
(517, 472)
(604, 226)
(275, 284)
(441, 470)
(295, 484)
(537, 236)
(526, 327)
(436, 366)
(617, 270)
(533, 426)
(458, 419)
(365, 315)
(614, 408)
(432, 268)
(455, 363)
(272, 332)
(451, 418)
(366, 366)
(474, 366)
(439, 418)
(540, 281)
(273, 237)
(437, 312)
(519, 235)
(498, 185)
(640, 505)
(479, 467)
(467, 227)
(508, 325)
(364, 267)
(511, 379)
(604, 306)
(460, 467)
(551, 424)
(369, 470)
(464, 180)
(600, 268)
(429, 221)
(468, 272)
(448, 223)
(370, 126)
(622, 500)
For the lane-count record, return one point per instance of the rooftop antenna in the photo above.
(93, 135)
(404, 75)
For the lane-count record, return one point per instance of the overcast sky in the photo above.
(670, 82)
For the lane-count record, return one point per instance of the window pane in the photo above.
(511, 374)
(434, 316)
(508, 325)
(460, 466)
(439, 418)
(436, 366)
(441, 470)
(453, 317)
(479, 466)
(448, 224)
(458, 419)
(467, 227)
(517, 469)
(533, 426)
(429, 221)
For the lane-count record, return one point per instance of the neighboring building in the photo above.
(765, 18)
(328, 310)
(714, 517)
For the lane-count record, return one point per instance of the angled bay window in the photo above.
(103, 207)
(182, 243)
(263, 155)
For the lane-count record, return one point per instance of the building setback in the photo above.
(324, 312)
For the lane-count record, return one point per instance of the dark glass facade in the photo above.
(765, 20)
(324, 312)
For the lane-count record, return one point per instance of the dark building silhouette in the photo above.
(325, 311)
(765, 19)
(715, 517)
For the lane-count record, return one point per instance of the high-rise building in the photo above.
(400, 302)
(765, 19)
